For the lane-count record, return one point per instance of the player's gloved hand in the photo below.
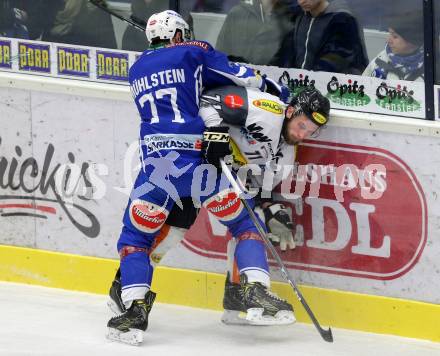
(277, 89)
(215, 144)
(280, 225)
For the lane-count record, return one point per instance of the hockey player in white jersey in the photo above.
(264, 132)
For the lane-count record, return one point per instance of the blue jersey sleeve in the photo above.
(219, 70)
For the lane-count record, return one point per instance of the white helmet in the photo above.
(164, 25)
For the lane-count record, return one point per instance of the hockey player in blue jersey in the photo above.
(166, 84)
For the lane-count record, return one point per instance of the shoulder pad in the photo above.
(231, 102)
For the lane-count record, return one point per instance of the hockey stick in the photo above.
(135, 22)
(325, 334)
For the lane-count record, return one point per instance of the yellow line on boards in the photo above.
(205, 290)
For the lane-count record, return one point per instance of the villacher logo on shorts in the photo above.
(226, 205)
(147, 217)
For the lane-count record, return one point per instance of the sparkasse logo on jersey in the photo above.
(349, 94)
(269, 105)
(343, 230)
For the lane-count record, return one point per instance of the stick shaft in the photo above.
(326, 334)
(120, 17)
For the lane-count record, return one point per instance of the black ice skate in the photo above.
(233, 304)
(129, 327)
(253, 304)
(115, 302)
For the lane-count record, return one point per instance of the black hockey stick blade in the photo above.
(103, 7)
(327, 335)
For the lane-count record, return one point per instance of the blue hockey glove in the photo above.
(277, 89)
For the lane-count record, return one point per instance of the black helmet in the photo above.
(313, 104)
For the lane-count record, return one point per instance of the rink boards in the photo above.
(367, 243)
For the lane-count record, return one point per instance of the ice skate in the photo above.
(253, 304)
(115, 302)
(234, 311)
(129, 327)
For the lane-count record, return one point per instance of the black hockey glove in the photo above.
(280, 225)
(215, 145)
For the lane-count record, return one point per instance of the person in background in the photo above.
(253, 30)
(13, 19)
(326, 37)
(374, 14)
(80, 22)
(213, 5)
(133, 39)
(437, 45)
(41, 16)
(403, 55)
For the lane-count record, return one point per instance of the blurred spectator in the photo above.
(41, 16)
(437, 41)
(253, 30)
(374, 14)
(13, 19)
(80, 22)
(403, 56)
(214, 6)
(326, 38)
(437, 61)
(133, 39)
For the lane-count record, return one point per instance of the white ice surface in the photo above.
(44, 321)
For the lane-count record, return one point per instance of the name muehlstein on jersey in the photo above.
(164, 77)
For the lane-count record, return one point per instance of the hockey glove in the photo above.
(215, 145)
(277, 89)
(280, 226)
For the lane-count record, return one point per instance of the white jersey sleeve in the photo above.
(255, 120)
